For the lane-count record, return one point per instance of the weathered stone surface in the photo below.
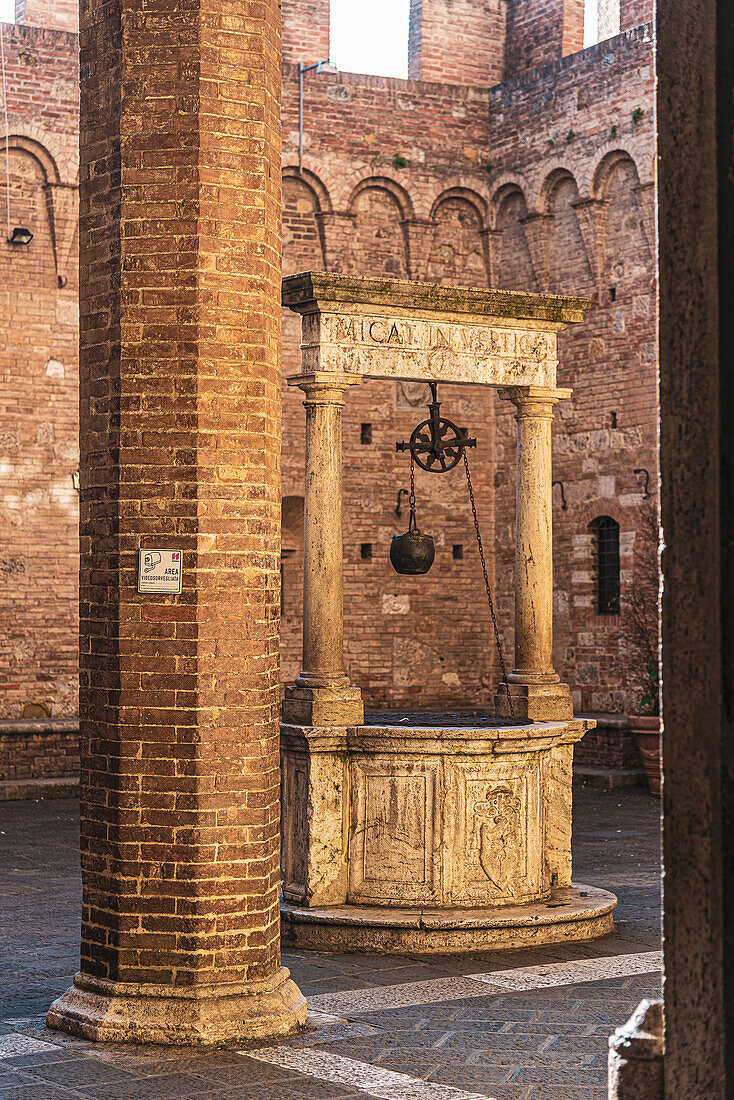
(393, 817)
(124, 1012)
(380, 328)
(314, 809)
(533, 685)
(636, 1055)
(578, 913)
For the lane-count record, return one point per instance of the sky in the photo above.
(371, 36)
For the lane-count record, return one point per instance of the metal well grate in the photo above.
(441, 719)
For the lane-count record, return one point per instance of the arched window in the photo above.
(605, 547)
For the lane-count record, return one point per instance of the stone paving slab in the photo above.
(519, 1044)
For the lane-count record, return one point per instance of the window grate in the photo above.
(605, 541)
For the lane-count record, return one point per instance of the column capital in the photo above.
(529, 399)
(325, 387)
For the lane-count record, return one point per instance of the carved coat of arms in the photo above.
(494, 838)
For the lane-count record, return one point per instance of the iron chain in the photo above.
(486, 583)
(412, 523)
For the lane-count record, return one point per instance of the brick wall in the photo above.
(305, 30)
(632, 13)
(539, 31)
(587, 179)
(457, 41)
(39, 380)
(29, 750)
(60, 15)
(551, 191)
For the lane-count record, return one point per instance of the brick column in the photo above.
(180, 436)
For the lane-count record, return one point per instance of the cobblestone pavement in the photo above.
(408, 1028)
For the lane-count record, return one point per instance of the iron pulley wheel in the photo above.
(437, 446)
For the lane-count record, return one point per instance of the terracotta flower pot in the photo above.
(650, 743)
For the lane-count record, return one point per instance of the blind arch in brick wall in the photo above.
(383, 183)
(313, 183)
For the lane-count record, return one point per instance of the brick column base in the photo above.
(122, 1012)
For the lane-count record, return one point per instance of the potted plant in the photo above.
(646, 727)
(643, 646)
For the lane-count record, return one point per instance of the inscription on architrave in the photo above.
(384, 346)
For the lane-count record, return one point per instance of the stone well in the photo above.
(429, 832)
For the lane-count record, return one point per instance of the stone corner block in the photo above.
(537, 702)
(636, 1055)
(323, 707)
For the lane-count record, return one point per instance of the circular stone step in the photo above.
(570, 914)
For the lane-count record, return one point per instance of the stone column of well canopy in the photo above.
(535, 687)
(322, 695)
(180, 440)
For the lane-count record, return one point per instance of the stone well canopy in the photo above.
(420, 835)
(389, 328)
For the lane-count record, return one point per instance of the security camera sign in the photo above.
(159, 571)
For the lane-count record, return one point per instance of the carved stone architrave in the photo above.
(538, 233)
(377, 344)
(645, 193)
(592, 216)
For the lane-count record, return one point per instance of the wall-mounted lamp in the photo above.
(319, 67)
(641, 471)
(564, 506)
(75, 479)
(20, 235)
